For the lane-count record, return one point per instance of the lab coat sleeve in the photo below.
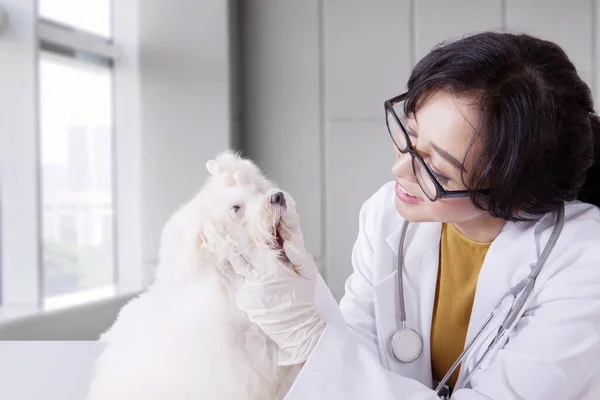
(357, 304)
(345, 363)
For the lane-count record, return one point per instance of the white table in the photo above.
(53, 370)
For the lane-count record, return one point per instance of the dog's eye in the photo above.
(235, 208)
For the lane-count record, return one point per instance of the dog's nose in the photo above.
(278, 199)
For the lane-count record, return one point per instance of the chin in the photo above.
(413, 212)
(184, 337)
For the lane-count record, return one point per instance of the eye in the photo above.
(235, 208)
(411, 133)
(443, 180)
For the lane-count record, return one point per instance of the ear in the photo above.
(227, 178)
(213, 167)
(201, 245)
(240, 178)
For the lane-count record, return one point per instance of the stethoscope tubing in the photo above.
(520, 292)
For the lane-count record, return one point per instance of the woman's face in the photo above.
(441, 132)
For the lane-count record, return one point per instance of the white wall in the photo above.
(282, 102)
(315, 76)
(186, 103)
(18, 155)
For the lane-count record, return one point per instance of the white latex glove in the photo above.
(283, 307)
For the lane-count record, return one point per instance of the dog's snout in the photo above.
(278, 199)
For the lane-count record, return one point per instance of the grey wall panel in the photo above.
(367, 51)
(281, 108)
(179, 137)
(568, 23)
(596, 60)
(186, 107)
(436, 20)
(359, 161)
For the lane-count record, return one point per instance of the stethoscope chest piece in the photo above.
(407, 345)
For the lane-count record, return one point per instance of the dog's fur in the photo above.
(184, 338)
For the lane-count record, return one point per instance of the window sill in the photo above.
(80, 316)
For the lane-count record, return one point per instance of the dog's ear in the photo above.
(227, 179)
(201, 243)
(213, 167)
(241, 178)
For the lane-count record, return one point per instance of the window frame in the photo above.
(28, 34)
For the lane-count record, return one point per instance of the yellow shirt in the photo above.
(460, 262)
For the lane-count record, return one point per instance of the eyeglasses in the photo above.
(425, 177)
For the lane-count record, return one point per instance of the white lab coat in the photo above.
(552, 353)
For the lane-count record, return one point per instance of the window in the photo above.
(76, 141)
(66, 66)
(75, 99)
(88, 15)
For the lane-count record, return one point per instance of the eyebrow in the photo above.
(445, 155)
(449, 157)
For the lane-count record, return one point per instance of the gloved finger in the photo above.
(292, 220)
(301, 259)
(294, 253)
(234, 278)
(240, 265)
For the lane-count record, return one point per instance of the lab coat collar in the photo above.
(421, 238)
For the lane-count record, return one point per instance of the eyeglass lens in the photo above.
(399, 138)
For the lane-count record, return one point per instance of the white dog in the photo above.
(185, 339)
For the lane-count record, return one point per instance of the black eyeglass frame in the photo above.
(440, 192)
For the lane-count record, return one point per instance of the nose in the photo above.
(278, 199)
(402, 167)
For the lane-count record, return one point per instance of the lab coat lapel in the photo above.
(421, 256)
(501, 270)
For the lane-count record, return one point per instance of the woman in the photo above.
(495, 135)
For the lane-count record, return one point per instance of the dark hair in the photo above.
(537, 129)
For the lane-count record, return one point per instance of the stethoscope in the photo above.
(407, 344)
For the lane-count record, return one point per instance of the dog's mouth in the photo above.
(278, 241)
(278, 238)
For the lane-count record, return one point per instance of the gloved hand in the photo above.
(282, 306)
